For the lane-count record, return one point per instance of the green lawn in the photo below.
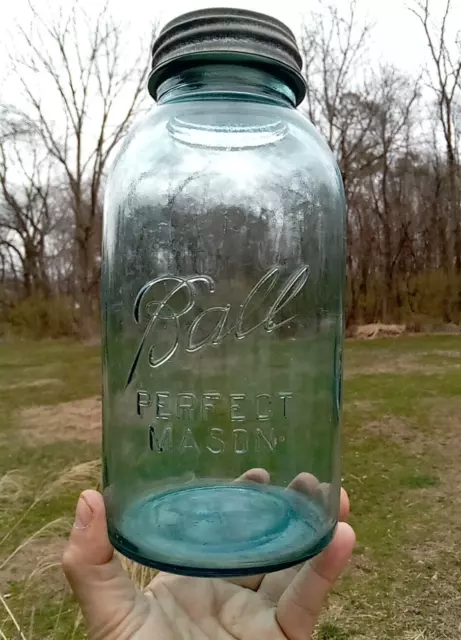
(402, 463)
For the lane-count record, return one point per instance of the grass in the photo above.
(401, 466)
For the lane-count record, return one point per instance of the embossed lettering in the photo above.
(269, 281)
(289, 291)
(215, 441)
(263, 407)
(161, 405)
(163, 310)
(236, 408)
(186, 405)
(164, 315)
(143, 400)
(188, 442)
(160, 443)
(216, 336)
(208, 400)
(217, 444)
(284, 397)
(262, 441)
(240, 441)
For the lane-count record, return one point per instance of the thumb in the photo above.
(111, 604)
(299, 607)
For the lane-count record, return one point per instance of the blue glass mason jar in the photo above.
(222, 301)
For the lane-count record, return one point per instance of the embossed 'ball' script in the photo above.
(160, 313)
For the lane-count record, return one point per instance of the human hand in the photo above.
(284, 605)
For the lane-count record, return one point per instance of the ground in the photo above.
(401, 466)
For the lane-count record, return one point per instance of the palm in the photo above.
(183, 607)
(279, 606)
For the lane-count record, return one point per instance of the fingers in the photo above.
(300, 605)
(274, 584)
(95, 574)
(261, 476)
(305, 483)
(308, 484)
(88, 540)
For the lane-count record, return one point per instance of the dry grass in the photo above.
(79, 420)
(416, 586)
(401, 431)
(31, 384)
(402, 467)
(39, 554)
(388, 363)
(35, 561)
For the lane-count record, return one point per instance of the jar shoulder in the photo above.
(245, 142)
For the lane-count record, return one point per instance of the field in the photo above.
(402, 464)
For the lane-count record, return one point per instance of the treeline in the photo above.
(396, 138)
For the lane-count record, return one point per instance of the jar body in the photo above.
(222, 301)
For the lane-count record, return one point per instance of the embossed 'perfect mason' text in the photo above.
(215, 422)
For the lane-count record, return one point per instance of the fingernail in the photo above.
(83, 514)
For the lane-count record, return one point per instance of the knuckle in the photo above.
(69, 560)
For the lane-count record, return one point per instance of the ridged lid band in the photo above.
(230, 36)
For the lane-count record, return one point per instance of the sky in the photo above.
(397, 37)
(391, 18)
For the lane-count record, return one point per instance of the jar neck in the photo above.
(225, 82)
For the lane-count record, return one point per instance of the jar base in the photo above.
(222, 530)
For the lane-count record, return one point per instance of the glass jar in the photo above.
(222, 301)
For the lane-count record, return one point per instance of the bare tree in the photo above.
(444, 81)
(26, 217)
(82, 86)
(334, 44)
(85, 96)
(340, 103)
(393, 122)
(398, 239)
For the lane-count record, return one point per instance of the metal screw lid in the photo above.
(234, 36)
